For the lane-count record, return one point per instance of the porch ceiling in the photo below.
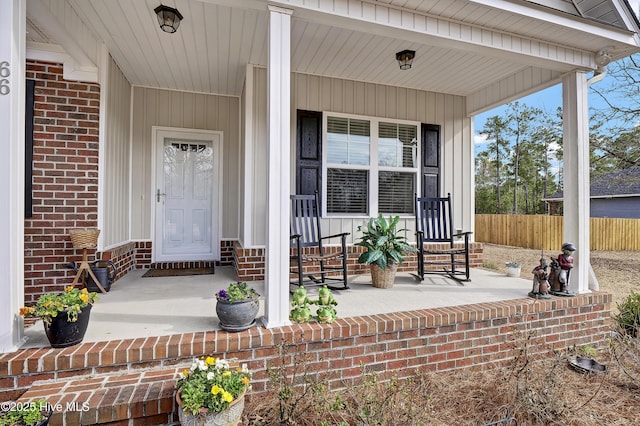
(218, 38)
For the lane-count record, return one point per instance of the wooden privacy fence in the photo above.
(546, 232)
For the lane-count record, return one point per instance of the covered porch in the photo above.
(247, 97)
(138, 307)
(115, 96)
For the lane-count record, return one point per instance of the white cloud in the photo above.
(479, 139)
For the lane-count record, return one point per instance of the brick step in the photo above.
(19, 370)
(139, 398)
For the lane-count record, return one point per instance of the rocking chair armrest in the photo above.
(295, 241)
(342, 235)
(460, 234)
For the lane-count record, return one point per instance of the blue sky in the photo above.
(547, 100)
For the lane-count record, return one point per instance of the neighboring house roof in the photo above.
(623, 183)
(603, 11)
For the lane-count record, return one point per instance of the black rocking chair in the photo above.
(312, 264)
(434, 225)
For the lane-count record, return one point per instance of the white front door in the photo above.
(187, 195)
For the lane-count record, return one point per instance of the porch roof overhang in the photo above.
(489, 52)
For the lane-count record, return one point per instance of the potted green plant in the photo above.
(513, 268)
(212, 392)
(237, 307)
(26, 414)
(385, 247)
(65, 315)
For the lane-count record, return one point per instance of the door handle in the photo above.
(159, 194)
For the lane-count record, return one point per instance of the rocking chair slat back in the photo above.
(304, 220)
(314, 267)
(434, 219)
(434, 224)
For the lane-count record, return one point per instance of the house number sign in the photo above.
(5, 72)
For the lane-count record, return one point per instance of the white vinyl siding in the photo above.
(318, 93)
(116, 173)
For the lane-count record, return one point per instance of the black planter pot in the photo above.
(238, 315)
(63, 333)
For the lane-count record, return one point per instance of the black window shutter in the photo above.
(308, 152)
(28, 148)
(430, 161)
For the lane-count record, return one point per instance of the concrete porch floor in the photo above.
(142, 307)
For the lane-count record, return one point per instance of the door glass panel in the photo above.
(187, 203)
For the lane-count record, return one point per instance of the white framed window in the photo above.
(370, 165)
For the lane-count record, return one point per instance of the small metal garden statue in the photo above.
(541, 280)
(561, 271)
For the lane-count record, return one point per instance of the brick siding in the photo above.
(65, 176)
(478, 336)
(226, 252)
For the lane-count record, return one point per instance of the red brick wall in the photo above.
(476, 336)
(226, 252)
(249, 263)
(65, 176)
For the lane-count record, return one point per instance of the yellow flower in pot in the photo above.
(65, 315)
(212, 388)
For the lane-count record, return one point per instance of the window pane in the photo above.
(337, 152)
(398, 145)
(348, 141)
(396, 191)
(347, 191)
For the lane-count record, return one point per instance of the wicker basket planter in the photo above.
(383, 278)
(84, 238)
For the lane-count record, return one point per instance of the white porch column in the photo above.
(12, 102)
(279, 99)
(576, 176)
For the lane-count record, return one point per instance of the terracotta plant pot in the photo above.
(229, 417)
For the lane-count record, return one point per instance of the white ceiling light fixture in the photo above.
(168, 18)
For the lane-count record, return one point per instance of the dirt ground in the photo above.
(618, 272)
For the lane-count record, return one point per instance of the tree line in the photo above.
(521, 164)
